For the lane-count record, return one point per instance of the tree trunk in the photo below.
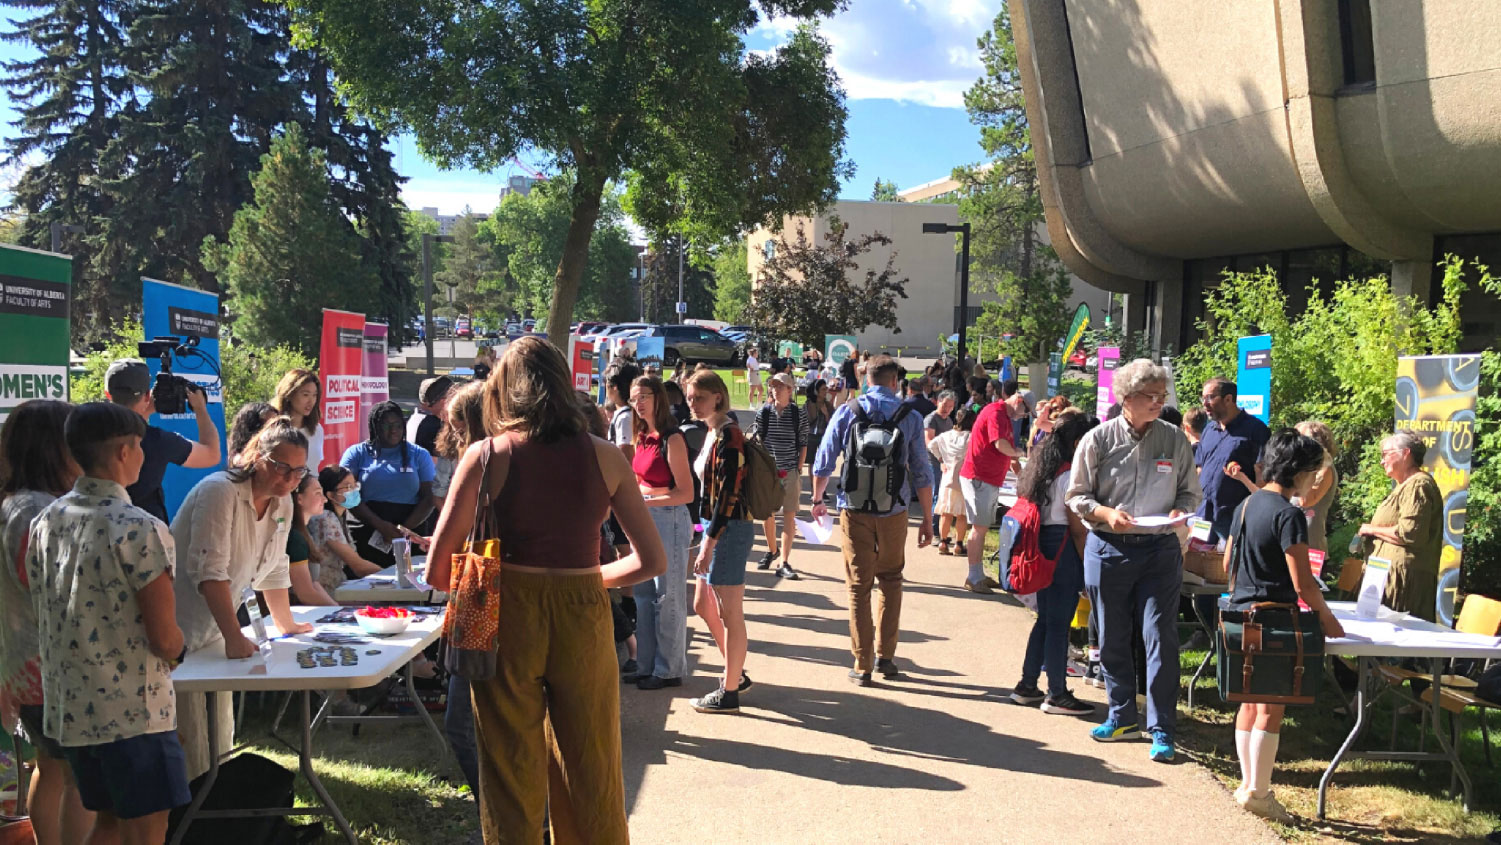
(587, 193)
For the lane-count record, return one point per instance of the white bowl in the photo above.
(383, 626)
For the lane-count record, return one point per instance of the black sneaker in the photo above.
(786, 571)
(1027, 694)
(654, 682)
(860, 678)
(718, 701)
(887, 667)
(1065, 704)
(745, 683)
(767, 560)
(629, 667)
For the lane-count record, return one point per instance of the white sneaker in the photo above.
(1267, 806)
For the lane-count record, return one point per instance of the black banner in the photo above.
(34, 298)
(351, 338)
(1258, 359)
(186, 321)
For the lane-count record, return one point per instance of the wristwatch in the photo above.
(176, 662)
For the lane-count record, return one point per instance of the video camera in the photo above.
(170, 393)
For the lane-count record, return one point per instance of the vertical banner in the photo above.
(838, 347)
(1253, 376)
(185, 313)
(1109, 359)
(1055, 374)
(341, 362)
(34, 325)
(375, 381)
(580, 361)
(649, 353)
(1172, 382)
(790, 349)
(1436, 401)
(1007, 371)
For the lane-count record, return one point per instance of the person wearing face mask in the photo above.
(231, 535)
(328, 530)
(396, 484)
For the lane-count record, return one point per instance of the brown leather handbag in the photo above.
(471, 623)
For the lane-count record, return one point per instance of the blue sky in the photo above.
(904, 65)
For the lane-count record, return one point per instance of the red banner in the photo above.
(342, 362)
(581, 360)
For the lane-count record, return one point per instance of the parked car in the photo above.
(1077, 360)
(528, 325)
(513, 328)
(587, 329)
(693, 344)
(462, 328)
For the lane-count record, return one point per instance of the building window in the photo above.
(769, 249)
(1356, 42)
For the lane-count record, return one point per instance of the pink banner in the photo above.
(1109, 359)
(343, 349)
(375, 384)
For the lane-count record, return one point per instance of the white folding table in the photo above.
(1394, 635)
(381, 588)
(275, 668)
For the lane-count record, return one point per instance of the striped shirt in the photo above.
(784, 434)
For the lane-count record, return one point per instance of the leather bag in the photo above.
(471, 623)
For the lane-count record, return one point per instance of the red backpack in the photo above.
(1028, 569)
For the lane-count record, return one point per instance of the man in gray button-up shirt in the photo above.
(1132, 467)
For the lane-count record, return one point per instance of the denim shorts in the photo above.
(727, 569)
(131, 778)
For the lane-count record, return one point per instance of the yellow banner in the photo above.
(1436, 401)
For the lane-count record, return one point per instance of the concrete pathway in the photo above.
(939, 756)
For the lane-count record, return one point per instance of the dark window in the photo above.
(1356, 43)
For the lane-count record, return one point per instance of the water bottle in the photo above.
(401, 549)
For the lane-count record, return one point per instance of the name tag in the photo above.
(1309, 514)
(1165, 466)
(1200, 529)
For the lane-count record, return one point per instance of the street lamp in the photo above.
(963, 229)
(427, 290)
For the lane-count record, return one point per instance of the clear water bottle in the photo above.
(401, 549)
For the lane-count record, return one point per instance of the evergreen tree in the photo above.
(468, 270)
(290, 253)
(67, 96)
(885, 191)
(659, 284)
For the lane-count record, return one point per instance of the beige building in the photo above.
(1319, 137)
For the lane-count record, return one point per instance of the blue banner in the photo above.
(649, 352)
(183, 313)
(1253, 375)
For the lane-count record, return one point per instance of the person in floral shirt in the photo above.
(100, 574)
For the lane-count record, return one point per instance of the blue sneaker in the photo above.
(1111, 732)
(1162, 746)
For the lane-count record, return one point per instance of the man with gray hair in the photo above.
(1131, 477)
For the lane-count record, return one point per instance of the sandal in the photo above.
(943, 548)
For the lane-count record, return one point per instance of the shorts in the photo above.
(727, 568)
(131, 778)
(979, 501)
(31, 730)
(792, 492)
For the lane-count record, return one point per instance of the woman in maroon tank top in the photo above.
(555, 695)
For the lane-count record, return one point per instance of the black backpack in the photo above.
(875, 465)
(246, 781)
(695, 432)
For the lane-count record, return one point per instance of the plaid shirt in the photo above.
(723, 479)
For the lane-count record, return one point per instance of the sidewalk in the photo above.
(939, 756)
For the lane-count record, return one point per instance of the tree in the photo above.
(732, 282)
(659, 284)
(417, 224)
(806, 290)
(291, 252)
(529, 234)
(1002, 201)
(885, 192)
(716, 138)
(468, 264)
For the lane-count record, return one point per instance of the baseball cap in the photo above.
(434, 389)
(127, 379)
(784, 380)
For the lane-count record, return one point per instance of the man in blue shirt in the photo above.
(875, 543)
(1230, 448)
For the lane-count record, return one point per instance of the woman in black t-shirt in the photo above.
(1271, 565)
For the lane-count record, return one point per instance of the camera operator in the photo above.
(128, 383)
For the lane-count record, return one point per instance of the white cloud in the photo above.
(918, 51)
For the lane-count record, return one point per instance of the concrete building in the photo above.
(1319, 137)
(518, 185)
(446, 221)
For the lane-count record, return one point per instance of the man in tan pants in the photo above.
(873, 521)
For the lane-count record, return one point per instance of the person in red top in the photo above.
(991, 448)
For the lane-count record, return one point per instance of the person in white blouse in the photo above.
(296, 397)
(231, 535)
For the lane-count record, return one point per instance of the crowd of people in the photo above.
(604, 512)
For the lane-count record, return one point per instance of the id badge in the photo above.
(1165, 466)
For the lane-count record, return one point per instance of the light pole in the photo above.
(427, 292)
(962, 229)
(57, 233)
(682, 312)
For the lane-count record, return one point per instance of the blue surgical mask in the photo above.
(351, 499)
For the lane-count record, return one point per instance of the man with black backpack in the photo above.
(884, 457)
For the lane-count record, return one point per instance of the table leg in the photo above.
(1194, 682)
(426, 716)
(305, 763)
(1450, 750)
(1363, 664)
(213, 769)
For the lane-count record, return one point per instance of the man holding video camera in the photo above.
(128, 383)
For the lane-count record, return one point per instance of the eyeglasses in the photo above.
(286, 470)
(1155, 398)
(1209, 397)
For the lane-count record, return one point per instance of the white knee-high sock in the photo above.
(1263, 759)
(1243, 751)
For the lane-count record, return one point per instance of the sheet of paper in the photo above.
(1372, 586)
(1160, 521)
(819, 532)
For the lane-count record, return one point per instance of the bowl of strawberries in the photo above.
(383, 621)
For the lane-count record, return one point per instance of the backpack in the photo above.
(875, 466)
(246, 781)
(1024, 568)
(694, 434)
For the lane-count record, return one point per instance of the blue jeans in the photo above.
(458, 726)
(1047, 647)
(661, 603)
(1137, 576)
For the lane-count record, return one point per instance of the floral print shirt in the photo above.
(20, 658)
(90, 552)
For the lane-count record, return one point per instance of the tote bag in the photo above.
(472, 622)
